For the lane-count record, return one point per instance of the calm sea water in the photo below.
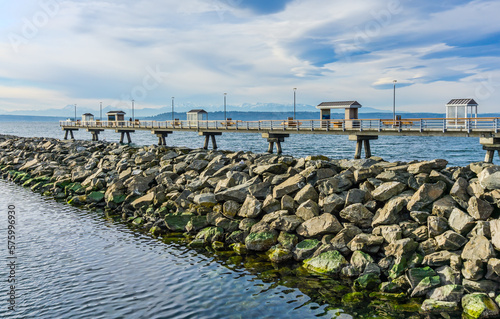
(459, 151)
(76, 264)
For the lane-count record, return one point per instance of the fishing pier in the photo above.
(362, 131)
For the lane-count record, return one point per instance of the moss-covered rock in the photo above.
(479, 305)
(329, 262)
(211, 234)
(279, 255)
(353, 299)
(369, 281)
(95, 197)
(177, 222)
(261, 241)
(239, 248)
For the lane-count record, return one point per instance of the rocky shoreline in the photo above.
(395, 230)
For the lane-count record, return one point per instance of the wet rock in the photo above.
(279, 255)
(230, 208)
(211, 234)
(426, 195)
(357, 214)
(330, 262)
(367, 282)
(287, 240)
(305, 249)
(261, 241)
(246, 224)
(177, 222)
(320, 225)
(359, 260)
(143, 201)
(425, 285)
(479, 305)
(436, 307)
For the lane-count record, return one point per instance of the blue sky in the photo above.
(60, 52)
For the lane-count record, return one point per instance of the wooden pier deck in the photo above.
(360, 130)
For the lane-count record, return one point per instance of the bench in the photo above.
(291, 122)
(397, 123)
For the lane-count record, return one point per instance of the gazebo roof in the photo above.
(116, 112)
(89, 114)
(197, 111)
(462, 102)
(339, 105)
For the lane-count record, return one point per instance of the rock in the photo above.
(271, 168)
(436, 307)
(482, 228)
(436, 225)
(489, 178)
(251, 208)
(425, 286)
(426, 195)
(260, 190)
(332, 203)
(287, 203)
(357, 214)
(359, 260)
(448, 276)
(479, 209)
(307, 210)
(271, 204)
(305, 194)
(388, 190)
(279, 255)
(143, 201)
(389, 214)
(459, 192)
(342, 239)
(473, 269)
(367, 282)
(211, 234)
(320, 225)
(289, 186)
(479, 305)
(444, 206)
(461, 222)
(196, 223)
(401, 247)
(177, 222)
(428, 166)
(391, 233)
(485, 286)
(440, 258)
(287, 240)
(493, 267)
(96, 197)
(450, 240)
(420, 217)
(271, 217)
(287, 223)
(480, 248)
(336, 184)
(415, 275)
(230, 208)
(206, 200)
(355, 196)
(330, 262)
(246, 224)
(366, 242)
(305, 249)
(261, 241)
(495, 233)
(237, 193)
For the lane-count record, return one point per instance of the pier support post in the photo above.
(490, 145)
(162, 135)
(209, 136)
(274, 138)
(70, 131)
(124, 132)
(360, 140)
(95, 133)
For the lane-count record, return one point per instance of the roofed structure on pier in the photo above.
(87, 117)
(196, 115)
(351, 109)
(116, 116)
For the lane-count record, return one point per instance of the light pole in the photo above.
(133, 118)
(172, 108)
(394, 101)
(225, 118)
(100, 110)
(75, 112)
(294, 100)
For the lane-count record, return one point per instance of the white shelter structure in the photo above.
(196, 115)
(457, 110)
(87, 117)
(350, 107)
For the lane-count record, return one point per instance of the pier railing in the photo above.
(372, 125)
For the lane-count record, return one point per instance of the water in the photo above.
(76, 264)
(459, 151)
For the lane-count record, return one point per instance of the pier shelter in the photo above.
(457, 110)
(87, 117)
(194, 116)
(116, 116)
(351, 112)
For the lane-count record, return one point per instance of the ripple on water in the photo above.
(76, 264)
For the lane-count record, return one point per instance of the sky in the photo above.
(55, 53)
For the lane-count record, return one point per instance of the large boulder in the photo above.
(450, 240)
(428, 166)
(461, 222)
(426, 195)
(261, 241)
(357, 214)
(305, 249)
(459, 192)
(479, 305)
(289, 186)
(307, 210)
(478, 248)
(489, 178)
(388, 190)
(306, 193)
(390, 213)
(287, 223)
(336, 184)
(251, 208)
(320, 225)
(401, 247)
(329, 262)
(479, 209)
(237, 193)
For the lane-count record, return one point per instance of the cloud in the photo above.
(256, 51)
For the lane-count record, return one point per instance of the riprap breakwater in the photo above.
(395, 230)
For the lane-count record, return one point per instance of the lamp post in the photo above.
(172, 108)
(100, 110)
(394, 101)
(133, 118)
(225, 118)
(75, 112)
(294, 100)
